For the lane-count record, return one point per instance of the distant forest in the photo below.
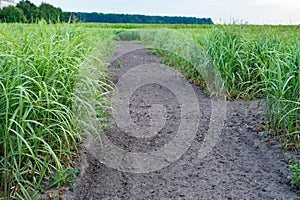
(140, 19)
(27, 12)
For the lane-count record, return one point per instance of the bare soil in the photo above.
(241, 165)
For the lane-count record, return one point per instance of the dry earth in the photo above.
(240, 166)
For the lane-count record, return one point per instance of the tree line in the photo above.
(140, 19)
(27, 12)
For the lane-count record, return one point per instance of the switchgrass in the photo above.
(40, 67)
(258, 62)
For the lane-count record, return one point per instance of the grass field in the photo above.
(45, 78)
(52, 75)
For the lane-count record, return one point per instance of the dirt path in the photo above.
(240, 166)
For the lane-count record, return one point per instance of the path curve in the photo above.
(240, 166)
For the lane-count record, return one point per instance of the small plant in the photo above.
(119, 64)
(67, 177)
(295, 177)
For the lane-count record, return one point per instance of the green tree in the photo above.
(69, 17)
(50, 13)
(29, 9)
(11, 14)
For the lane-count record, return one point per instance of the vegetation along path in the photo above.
(152, 154)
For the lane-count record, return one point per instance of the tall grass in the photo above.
(260, 62)
(39, 70)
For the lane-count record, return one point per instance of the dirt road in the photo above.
(239, 166)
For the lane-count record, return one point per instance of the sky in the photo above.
(221, 11)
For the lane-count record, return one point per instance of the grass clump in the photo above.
(295, 177)
(262, 62)
(127, 35)
(40, 67)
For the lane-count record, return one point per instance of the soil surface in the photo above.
(240, 166)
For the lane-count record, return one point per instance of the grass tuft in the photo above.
(41, 67)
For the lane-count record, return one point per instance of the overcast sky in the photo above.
(253, 11)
